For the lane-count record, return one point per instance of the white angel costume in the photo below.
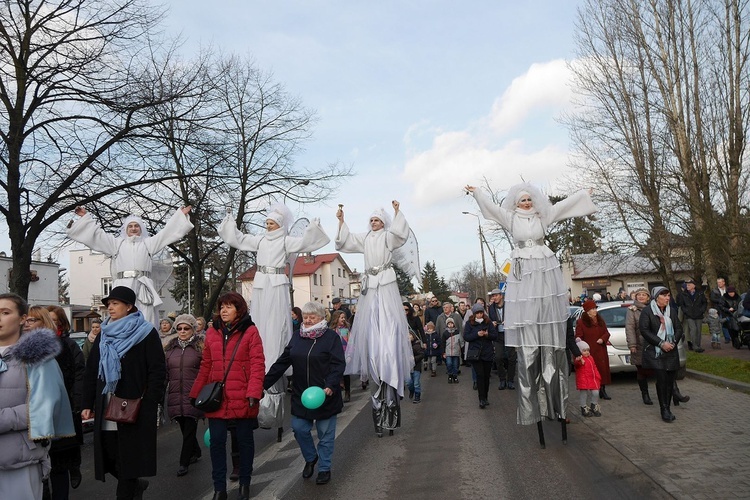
(536, 304)
(132, 257)
(379, 347)
(270, 306)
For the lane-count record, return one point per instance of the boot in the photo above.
(219, 495)
(244, 492)
(595, 410)
(585, 411)
(643, 384)
(664, 400)
(433, 373)
(603, 394)
(347, 396)
(450, 379)
(678, 398)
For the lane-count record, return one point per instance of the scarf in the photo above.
(184, 343)
(314, 332)
(666, 329)
(117, 339)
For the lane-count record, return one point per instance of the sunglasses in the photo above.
(183, 329)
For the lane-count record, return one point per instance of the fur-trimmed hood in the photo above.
(35, 347)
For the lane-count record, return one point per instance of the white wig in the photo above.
(136, 219)
(381, 214)
(281, 215)
(541, 203)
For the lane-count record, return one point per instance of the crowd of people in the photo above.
(234, 370)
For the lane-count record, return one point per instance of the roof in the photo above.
(305, 265)
(596, 265)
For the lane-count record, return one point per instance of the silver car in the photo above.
(614, 314)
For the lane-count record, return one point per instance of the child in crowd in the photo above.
(453, 342)
(340, 325)
(433, 350)
(714, 327)
(414, 384)
(588, 381)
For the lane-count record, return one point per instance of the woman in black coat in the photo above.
(479, 332)
(127, 451)
(662, 331)
(317, 359)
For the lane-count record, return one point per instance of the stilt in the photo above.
(541, 434)
(564, 425)
(280, 433)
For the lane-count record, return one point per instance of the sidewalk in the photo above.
(702, 455)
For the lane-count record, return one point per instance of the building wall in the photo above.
(90, 280)
(42, 292)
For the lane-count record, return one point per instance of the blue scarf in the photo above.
(117, 338)
(666, 329)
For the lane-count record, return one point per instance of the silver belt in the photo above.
(271, 270)
(133, 274)
(377, 269)
(530, 243)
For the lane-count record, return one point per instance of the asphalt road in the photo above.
(446, 448)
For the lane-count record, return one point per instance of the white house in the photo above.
(317, 278)
(90, 280)
(43, 289)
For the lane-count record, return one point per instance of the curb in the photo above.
(719, 381)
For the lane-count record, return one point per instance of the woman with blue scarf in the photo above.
(662, 331)
(127, 360)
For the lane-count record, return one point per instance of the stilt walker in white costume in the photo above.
(132, 252)
(536, 298)
(270, 306)
(379, 349)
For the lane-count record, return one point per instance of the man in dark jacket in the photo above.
(693, 305)
(433, 311)
(505, 357)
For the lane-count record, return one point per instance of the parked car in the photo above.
(614, 314)
(79, 337)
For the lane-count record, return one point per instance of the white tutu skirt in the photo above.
(536, 305)
(379, 347)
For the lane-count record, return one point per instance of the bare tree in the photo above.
(79, 79)
(653, 125)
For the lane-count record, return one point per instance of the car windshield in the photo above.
(614, 316)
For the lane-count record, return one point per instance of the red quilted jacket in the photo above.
(587, 375)
(245, 378)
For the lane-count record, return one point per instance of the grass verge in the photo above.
(734, 369)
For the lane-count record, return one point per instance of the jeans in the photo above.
(482, 370)
(190, 447)
(451, 363)
(326, 434)
(218, 429)
(414, 384)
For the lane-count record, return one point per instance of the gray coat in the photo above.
(17, 450)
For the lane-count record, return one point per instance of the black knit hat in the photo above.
(121, 293)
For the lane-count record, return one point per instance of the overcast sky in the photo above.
(420, 97)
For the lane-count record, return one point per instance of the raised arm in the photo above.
(234, 238)
(85, 230)
(176, 228)
(313, 239)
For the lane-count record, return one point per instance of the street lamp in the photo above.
(481, 249)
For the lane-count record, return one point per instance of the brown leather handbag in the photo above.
(122, 410)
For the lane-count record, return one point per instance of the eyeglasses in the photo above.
(32, 320)
(183, 329)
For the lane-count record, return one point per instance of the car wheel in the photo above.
(681, 373)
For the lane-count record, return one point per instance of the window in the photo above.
(106, 286)
(80, 260)
(315, 279)
(339, 272)
(341, 292)
(344, 273)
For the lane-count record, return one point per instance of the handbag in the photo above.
(122, 410)
(472, 354)
(212, 394)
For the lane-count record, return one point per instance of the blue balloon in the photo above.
(207, 438)
(313, 397)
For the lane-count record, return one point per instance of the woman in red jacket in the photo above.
(243, 390)
(593, 330)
